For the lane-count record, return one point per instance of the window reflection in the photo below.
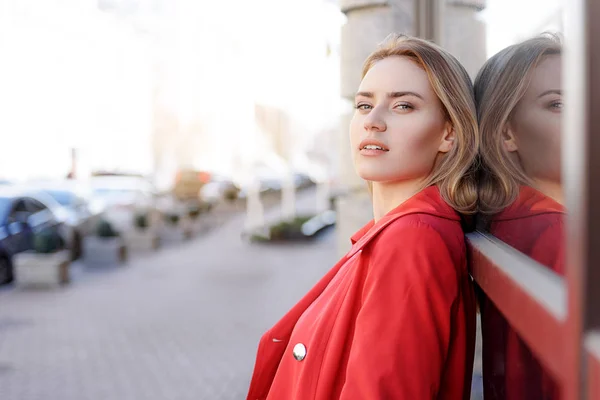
(519, 104)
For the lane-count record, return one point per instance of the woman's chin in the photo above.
(377, 173)
(373, 177)
(390, 180)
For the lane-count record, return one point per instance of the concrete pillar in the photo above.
(255, 213)
(464, 33)
(368, 23)
(452, 23)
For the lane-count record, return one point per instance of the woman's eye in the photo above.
(363, 107)
(403, 106)
(557, 105)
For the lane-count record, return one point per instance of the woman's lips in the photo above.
(372, 152)
(372, 148)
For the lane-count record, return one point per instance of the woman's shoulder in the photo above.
(423, 225)
(436, 245)
(420, 236)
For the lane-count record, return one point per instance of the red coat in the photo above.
(393, 319)
(534, 225)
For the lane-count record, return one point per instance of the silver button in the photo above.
(299, 352)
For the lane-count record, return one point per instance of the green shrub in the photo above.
(205, 207)
(141, 220)
(194, 212)
(288, 229)
(173, 219)
(104, 229)
(259, 238)
(47, 241)
(332, 202)
(231, 194)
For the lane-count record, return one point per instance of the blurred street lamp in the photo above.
(73, 173)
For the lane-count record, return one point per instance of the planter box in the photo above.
(147, 239)
(104, 251)
(184, 229)
(202, 223)
(188, 227)
(39, 269)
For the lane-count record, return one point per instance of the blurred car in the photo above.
(302, 180)
(21, 216)
(270, 179)
(73, 203)
(122, 197)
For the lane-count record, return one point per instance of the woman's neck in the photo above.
(551, 189)
(387, 196)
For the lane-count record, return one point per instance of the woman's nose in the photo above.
(374, 122)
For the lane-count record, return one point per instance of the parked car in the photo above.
(73, 204)
(21, 217)
(122, 197)
(273, 180)
(303, 180)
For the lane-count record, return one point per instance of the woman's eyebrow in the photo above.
(392, 95)
(551, 91)
(402, 94)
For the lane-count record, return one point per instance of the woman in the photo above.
(394, 319)
(519, 102)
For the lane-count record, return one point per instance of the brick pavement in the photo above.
(182, 323)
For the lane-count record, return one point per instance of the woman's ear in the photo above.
(509, 139)
(447, 139)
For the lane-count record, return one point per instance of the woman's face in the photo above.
(536, 123)
(399, 127)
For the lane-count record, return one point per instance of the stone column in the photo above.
(464, 34)
(368, 23)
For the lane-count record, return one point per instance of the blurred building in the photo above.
(238, 88)
(512, 21)
(72, 76)
(552, 22)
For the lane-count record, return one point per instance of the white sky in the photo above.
(509, 21)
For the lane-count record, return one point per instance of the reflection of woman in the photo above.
(394, 319)
(519, 102)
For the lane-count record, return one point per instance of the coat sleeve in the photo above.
(402, 330)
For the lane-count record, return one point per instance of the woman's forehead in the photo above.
(396, 74)
(546, 76)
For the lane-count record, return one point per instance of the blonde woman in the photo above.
(394, 318)
(519, 103)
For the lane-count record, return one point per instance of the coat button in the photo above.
(299, 352)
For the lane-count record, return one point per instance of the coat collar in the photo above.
(427, 201)
(529, 203)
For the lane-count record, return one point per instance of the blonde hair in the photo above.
(455, 173)
(499, 86)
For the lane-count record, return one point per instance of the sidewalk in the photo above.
(183, 323)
